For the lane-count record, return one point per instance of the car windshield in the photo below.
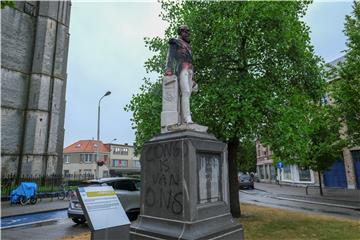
(244, 177)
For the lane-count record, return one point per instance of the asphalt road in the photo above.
(267, 199)
(53, 225)
(26, 219)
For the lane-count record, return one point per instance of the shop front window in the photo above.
(287, 173)
(304, 175)
(272, 173)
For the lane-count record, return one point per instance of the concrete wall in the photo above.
(34, 50)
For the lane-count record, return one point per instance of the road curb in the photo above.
(260, 189)
(319, 203)
(29, 213)
(31, 223)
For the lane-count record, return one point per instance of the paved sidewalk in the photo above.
(342, 197)
(44, 205)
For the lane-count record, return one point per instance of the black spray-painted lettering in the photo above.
(164, 190)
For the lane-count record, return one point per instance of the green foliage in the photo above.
(146, 108)
(307, 134)
(8, 3)
(250, 58)
(346, 89)
(247, 156)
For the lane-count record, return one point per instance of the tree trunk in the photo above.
(233, 146)
(320, 184)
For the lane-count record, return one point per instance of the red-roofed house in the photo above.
(80, 158)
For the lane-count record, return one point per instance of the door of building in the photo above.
(336, 176)
(356, 160)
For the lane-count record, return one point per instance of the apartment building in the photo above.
(122, 159)
(287, 174)
(80, 158)
(344, 173)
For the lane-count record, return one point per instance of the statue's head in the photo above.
(184, 33)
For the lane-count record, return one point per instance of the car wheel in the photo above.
(78, 220)
(132, 215)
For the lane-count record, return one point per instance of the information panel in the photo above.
(102, 207)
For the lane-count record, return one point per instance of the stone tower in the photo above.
(34, 51)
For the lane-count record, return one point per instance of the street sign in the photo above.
(280, 165)
(102, 207)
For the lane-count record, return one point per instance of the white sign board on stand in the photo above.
(102, 207)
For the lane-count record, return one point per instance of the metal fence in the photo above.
(48, 184)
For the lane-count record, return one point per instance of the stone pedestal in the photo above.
(184, 192)
(111, 233)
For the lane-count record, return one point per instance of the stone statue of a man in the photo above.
(179, 62)
(178, 84)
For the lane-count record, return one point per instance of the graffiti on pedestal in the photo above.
(164, 187)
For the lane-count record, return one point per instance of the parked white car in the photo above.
(127, 190)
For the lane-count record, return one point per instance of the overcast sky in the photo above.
(107, 52)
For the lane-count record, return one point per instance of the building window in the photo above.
(355, 155)
(66, 173)
(120, 163)
(86, 158)
(287, 173)
(121, 150)
(124, 151)
(66, 159)
(115, 163)
(137, 164)
(304, 175)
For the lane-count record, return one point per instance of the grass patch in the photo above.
(276, 224)
(270, 223)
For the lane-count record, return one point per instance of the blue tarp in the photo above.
(27, 189)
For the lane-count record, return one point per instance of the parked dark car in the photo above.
(245, 181)
(127, 190)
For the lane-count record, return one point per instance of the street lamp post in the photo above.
(98, 134)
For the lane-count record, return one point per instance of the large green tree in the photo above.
(306, 133)
(146, 109)
(250, 57)
(346, 91)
